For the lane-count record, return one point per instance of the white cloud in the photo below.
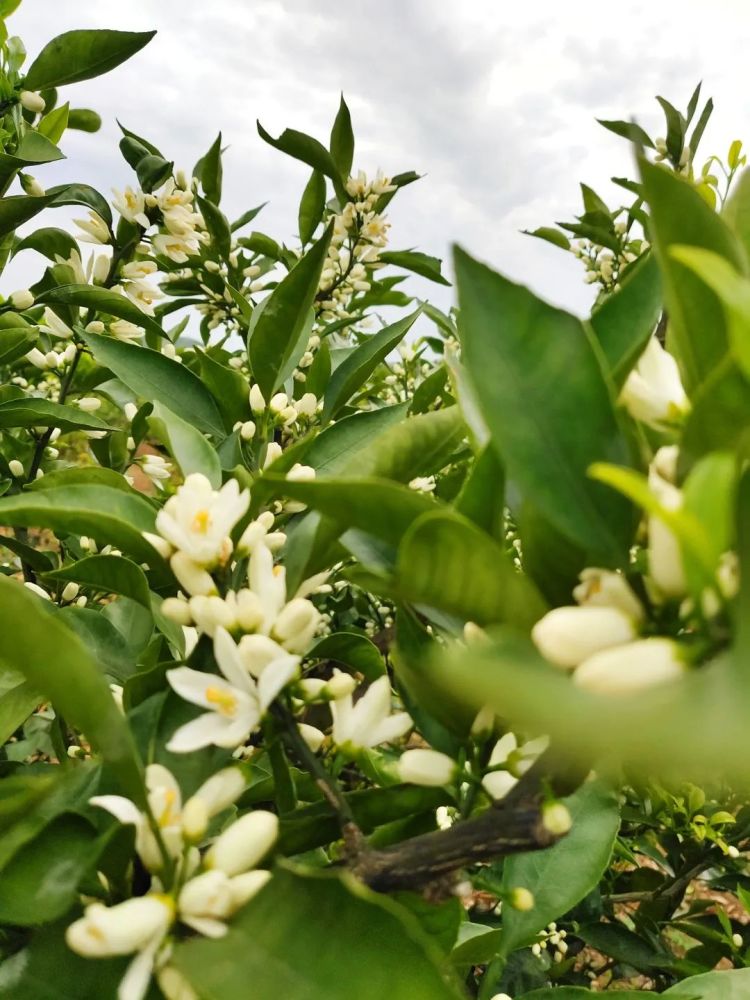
(494, 102)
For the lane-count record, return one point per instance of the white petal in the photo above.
(201, 732)
(391, 728)
(120, 807)
(275, 677)
(134, 984)
(229, 660)
(206, 926)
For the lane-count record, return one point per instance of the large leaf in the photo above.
(18, 699)
(342, 140)
(36, 412)
(54, 660)
(187, 445)
(375, 942)
(357, 367)
(16, 210)
(680, 216)
(543, 396)
(341, 443)
(731, 984)
(561, 875)
(81, 55)
(159, 379)
(625, 320)
(284, 317)
(109, 575)
(16, 342)
(445, 562)
(302, 147)
(103, 300)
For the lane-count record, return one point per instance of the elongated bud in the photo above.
(257, 402)
(121, 929)
(70, 591)
(632, 667)
(247, 430)
(296, 625)
(244, 843)
(221, 790)
(567, 636)
(339, 686)
(653, 391)
(192, 578)
(32, 101)
(247, 885)
(278, 403)
(22, 299)
(313, 737)
(604, 589)
(31, 186)
(195, 820)
(426, 767)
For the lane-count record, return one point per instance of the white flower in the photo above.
(122, 329)
(32, 101)
(426, 767)
(244, 844)
(235, 703)
(176, 248)
(192, 577)
(131, 205)
(198, 520)
(665, 564)
(95, 229)
(602, 588)
(633, 667)
(307, 405)
(22, 299)
(369, 722)
(144, 295)
(512, 761)
(567, 636)
(653, 391)
(137, 269)
(54, 326)
(137, 925)
(156, 467)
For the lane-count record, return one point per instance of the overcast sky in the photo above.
(493, 102)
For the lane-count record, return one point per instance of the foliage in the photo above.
(350, 647)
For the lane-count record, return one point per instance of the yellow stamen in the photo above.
(166, 818)
(277, 570)
(202, 521)
(225, 702)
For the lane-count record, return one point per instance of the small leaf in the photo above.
(312, 206)
(37, 412)
(187, 445)
(109, 575)
(342, 140)
(420, 263)
(628, 130)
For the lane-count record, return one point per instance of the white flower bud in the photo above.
(31, 186)
(36, 589)
(301, 474)
(211, 612)
(278, 402)
(22, 299)
(339, 686)
(307, 405)
(313, 737)
(36, 358)
(273, 451)
(631, 667)
(161, 545)
(426, 767)
(130, 410)
(16, 468)
(195, 819)
(89, 404)
(556, 818)
(221, 790)
(247, 430)
(122, 929)
(95, 326)
(173, 984)
(257, 402)
(177, 611)
(245, 843)
(70, 591)
(603, 588)
(247, 885)
(192, 578)
(567, 636)
(32, 101)
(737, 940)
(653, 390)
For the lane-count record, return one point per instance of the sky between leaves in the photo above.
(495, 102)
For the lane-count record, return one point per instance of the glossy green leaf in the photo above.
(36, 412)
(730, 984)
(17, 209)
(680, 216)
(628, 130)
(187, 445)
(339, 444)
(84, 120)
(354, 371)
(311, 206)
(81, 55)
(352, 650)
(158, 378)
(376, 940)
(48, 241)
(54, 660)
(561, 875)
(228, 387)
(420, 263)
(109, 575)
(275, 336)
(550, 235)
(535, 373)
(626, 319)
(103, 300)
(342, 140)
(108, 648)
(16, 342)
(302, 147)
(17, 702)
(53, 125)
(211, 174)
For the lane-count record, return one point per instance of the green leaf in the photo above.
(623, 945)
(340, 443)
(302, 147)
(84, 120)
(109, 575)
(676, 126)
(420, 263)
(592, 202)
(48, 241)
(352, 650)
(158, 378)
(680, 216)
(342, 140)
(80, 194)
(376, 940)
(311, 206)
(720, 414)
(42, 882)
(228, 387)
(628, 130)
(103, 300)
(187, 445)
(736, 211)
(582, 993)
(535, 374)
(247, 216)
(110, 516)
(217, 225)
(284, 317)
(82, 55)
(17, 702)
(550, 235)
(53, 125)
(36, 412)
(55, 661)
(700, 127)
(446, 563)
(107, 647)
(560, 876)
(626, 319)
(16, 342)
(354, 371)
(731, 984)
(16, 210)
(211, 174)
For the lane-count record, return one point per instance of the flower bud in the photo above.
(22, 299)
(192, 578)
(653, 390)
(207, 895)
(89, 404)
(195, 819)
(16, 468)
(313, 737)
(104, 931)
(301, 474)
(631, 667)
(521, 899)
(36, 358)
(273, 451)
(177, 611)
(339, 686)
(257, 402)
(70, 591)
(161, 545)
(567, 636)
(31, 186)
(296, 625)
(36, 589)
(211, 612)
(307, 405)
(32, 101)
(426, 767)
(279, 402)
(556, 818)
(173, 984)
(244, 843)
(247, 885)
(603, 588)
(247, 430)
(221, 790)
